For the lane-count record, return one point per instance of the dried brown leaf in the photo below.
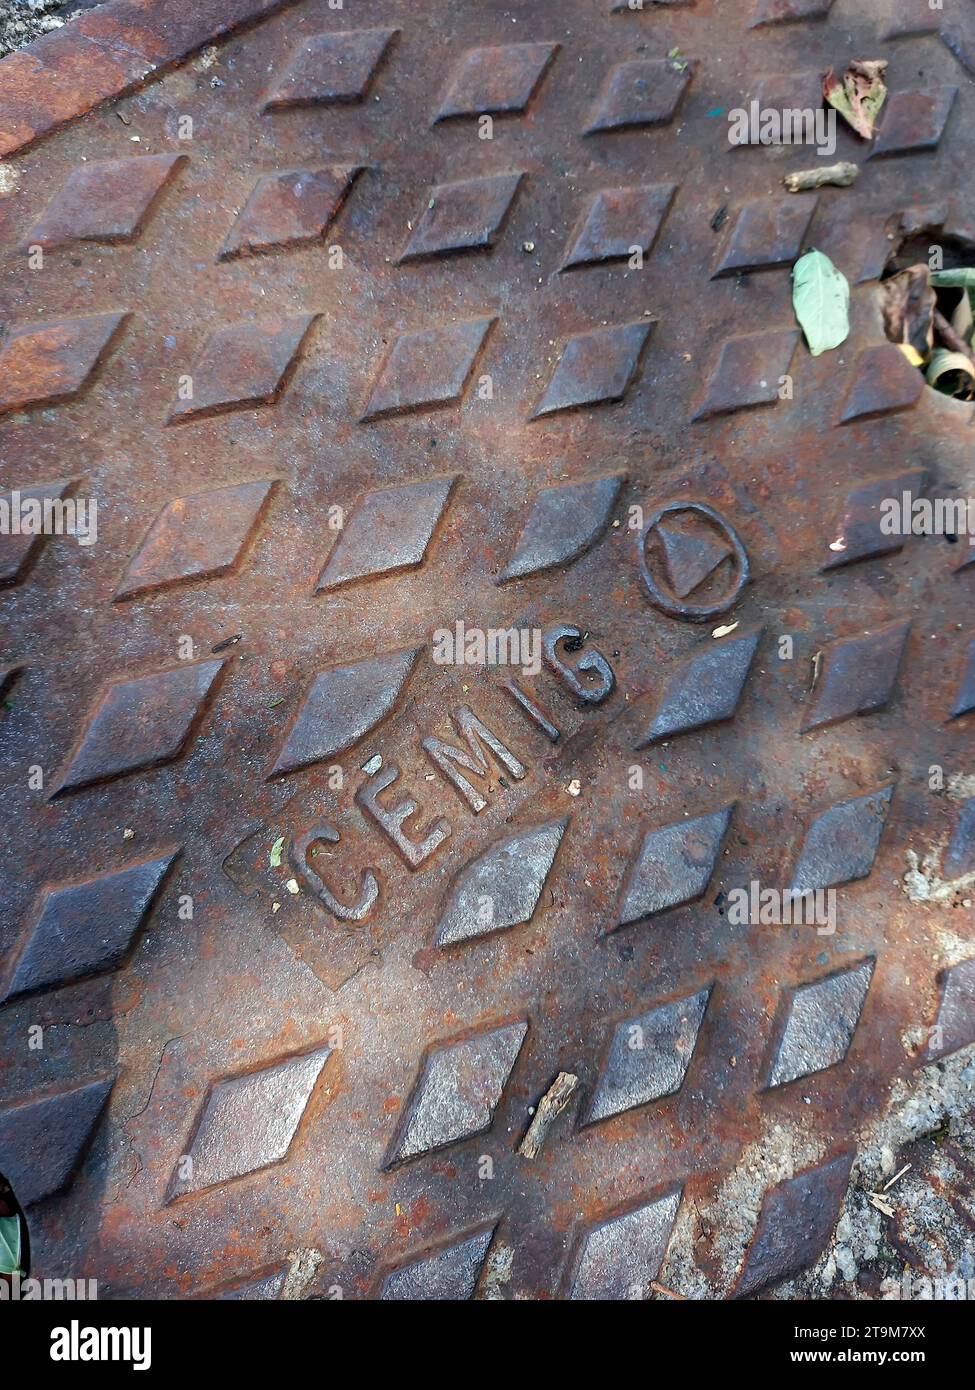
(908, 307)
(860, 94)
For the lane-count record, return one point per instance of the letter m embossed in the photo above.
(451, 760)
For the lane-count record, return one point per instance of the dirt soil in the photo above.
(22, 21)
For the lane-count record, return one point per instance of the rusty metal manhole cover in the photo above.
(486, 591)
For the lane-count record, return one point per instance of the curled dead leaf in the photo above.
(909, 305)
(951, 373)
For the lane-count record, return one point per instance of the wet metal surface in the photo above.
(385, 333)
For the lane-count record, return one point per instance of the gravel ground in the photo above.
(22, 21)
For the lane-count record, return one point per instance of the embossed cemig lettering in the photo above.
(368, 882)
(391, 819)
(445, 756)
(594, 661)
(532, 710)
(457, 764)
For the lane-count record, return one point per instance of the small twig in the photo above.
(896, 1176)
(842, 174)
(662, 1288)
(949, 337)
(551, 1105)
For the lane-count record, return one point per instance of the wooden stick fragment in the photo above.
(550, 1107)
(669, 1293)
(949, 337)
(842, 174)
(897, 1176)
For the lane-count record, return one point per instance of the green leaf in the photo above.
(9, 1244)
(276, 849)
(821, 298)
(963, 279)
